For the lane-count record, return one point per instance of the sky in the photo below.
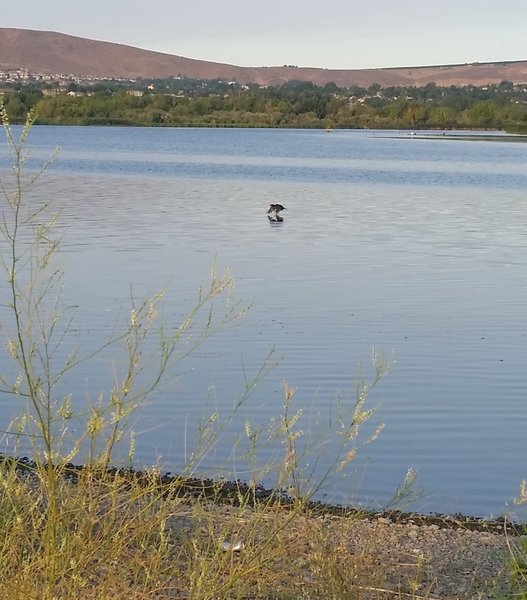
(332, 34)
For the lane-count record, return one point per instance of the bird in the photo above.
(272, 213)
(275, 208)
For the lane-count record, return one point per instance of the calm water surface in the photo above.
(415, 247)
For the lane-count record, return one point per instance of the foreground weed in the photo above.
(517, 556)
(307, 452)
(111, 538)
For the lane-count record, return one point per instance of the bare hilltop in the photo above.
(47, 52)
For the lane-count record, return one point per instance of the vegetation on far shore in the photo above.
(180, 102)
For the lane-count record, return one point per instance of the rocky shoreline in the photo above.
(224, 491)
(445, 561)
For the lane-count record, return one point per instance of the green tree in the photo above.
(482, 114)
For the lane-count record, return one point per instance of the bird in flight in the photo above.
(272, 213)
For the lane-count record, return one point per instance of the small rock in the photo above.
(232, 546)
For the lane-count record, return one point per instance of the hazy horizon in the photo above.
(341, 34)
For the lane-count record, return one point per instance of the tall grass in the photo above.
(97, 532)
(517, 557)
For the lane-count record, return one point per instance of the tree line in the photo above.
(294, 104)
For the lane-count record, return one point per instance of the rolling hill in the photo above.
(47, 52)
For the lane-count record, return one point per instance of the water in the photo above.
(416, 247)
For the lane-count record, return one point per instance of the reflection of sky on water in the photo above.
(340, 157)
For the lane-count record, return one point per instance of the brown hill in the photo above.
(57, 53)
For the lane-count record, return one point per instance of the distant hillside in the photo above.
(57, 53)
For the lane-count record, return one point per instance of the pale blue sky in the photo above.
(323, 33)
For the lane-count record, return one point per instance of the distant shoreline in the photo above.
(466, 137)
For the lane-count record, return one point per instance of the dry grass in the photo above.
(121, 538)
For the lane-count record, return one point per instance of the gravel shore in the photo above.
(453, 562)
(376, 557)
